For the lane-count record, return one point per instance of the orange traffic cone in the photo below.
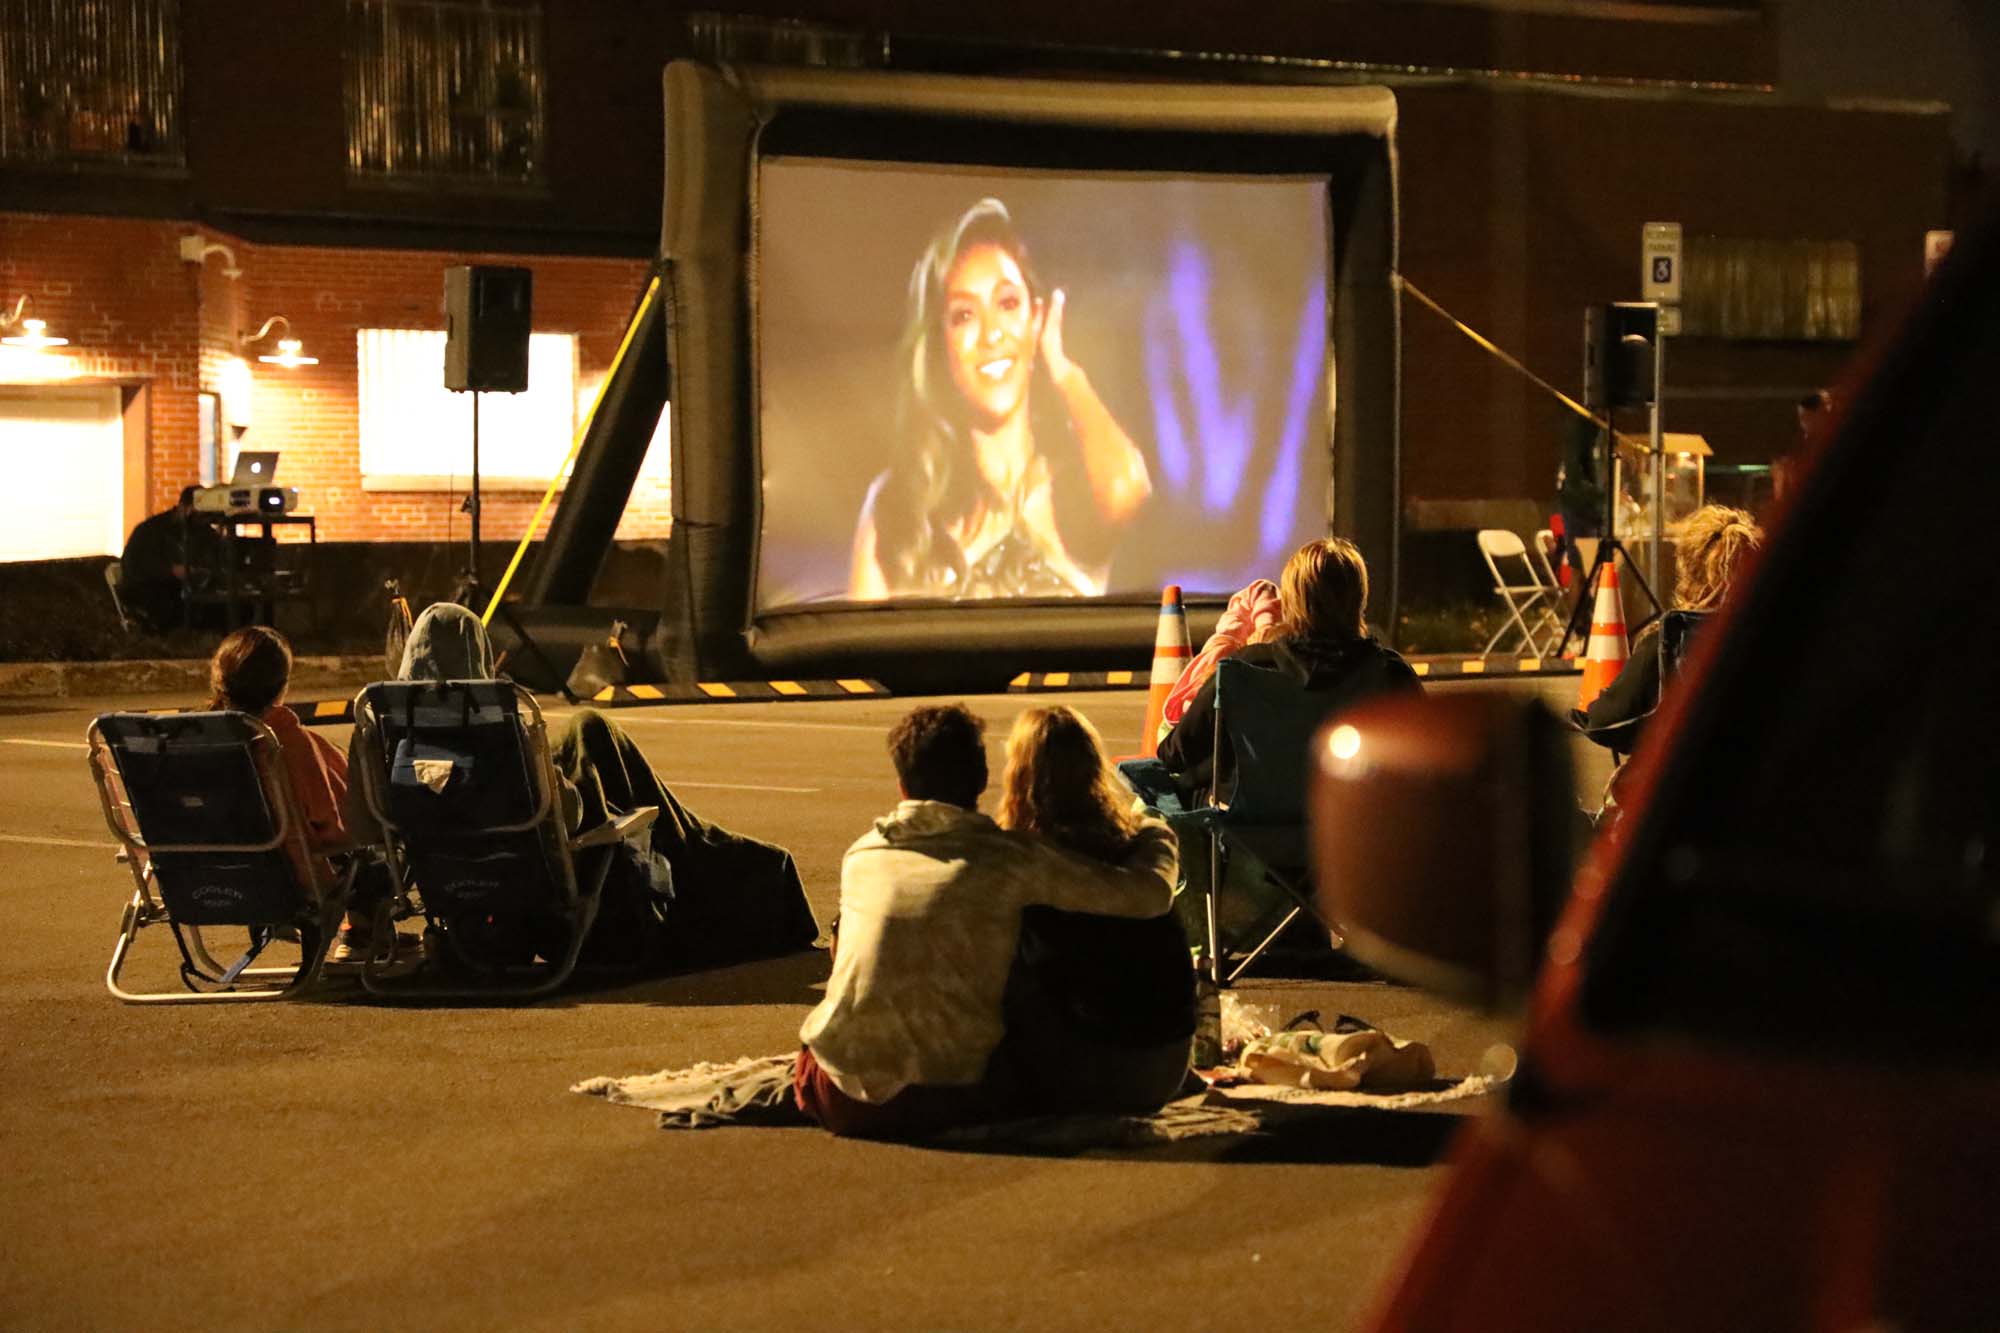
(1605, 657)
(1170, 658)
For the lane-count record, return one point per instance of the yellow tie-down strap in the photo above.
(1448, 667)
(1042, 682)
(737, 691)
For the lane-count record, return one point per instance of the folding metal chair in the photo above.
(459, 776)
(1529, 602)
(214, 838)
(1266, 720)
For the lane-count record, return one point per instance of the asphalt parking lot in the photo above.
(338, 1163)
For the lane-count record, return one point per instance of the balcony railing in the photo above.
(445, 90)
(90, 82)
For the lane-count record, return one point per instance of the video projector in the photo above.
(247, 499)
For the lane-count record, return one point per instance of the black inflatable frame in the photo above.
(692, 343)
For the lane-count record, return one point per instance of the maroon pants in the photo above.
(916, 1112)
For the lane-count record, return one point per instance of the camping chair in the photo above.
(1530, 601)
(1267, 721)
(460, 778)
(1678, 630)
(208, 823)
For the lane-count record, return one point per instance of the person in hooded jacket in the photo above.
(1322, 642)
(908, 1041)
(733, 898)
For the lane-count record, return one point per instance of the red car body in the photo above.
(1759, 1083)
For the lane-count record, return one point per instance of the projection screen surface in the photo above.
(979, 384)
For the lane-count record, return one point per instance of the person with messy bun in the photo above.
(1710, 548)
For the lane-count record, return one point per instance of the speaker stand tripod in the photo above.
(471, 591)
(1609, 547)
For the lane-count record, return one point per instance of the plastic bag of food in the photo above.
(1337, 1061)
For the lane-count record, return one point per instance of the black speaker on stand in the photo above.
(488, 313)
(1621, 369)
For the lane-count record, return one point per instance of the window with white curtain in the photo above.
(416, 435)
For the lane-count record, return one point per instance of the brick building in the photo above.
(168, 334)
(344, 152)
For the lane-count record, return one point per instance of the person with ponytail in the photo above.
(1710, 547)
(250, 672)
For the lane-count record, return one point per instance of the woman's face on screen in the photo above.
(990, 331)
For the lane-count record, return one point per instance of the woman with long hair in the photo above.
(1100, 1009)
(1710, 546)
(1012, 477)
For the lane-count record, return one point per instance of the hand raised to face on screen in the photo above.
(1050, 344)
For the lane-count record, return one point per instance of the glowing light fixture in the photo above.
(35, 335)
(1345, 742)
(289, 354)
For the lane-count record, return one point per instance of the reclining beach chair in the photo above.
(460, 777)
(1257, 836)
(208, 823)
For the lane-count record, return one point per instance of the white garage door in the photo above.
(62, 451)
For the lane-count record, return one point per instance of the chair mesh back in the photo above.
(1269, 719)
(462, 779)
(1677, 635)
(193, 778)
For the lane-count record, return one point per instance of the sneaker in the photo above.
(352, 946)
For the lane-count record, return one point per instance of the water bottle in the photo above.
(1207, 1049)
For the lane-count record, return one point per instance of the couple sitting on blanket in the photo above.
(991, 970)
(733, 898)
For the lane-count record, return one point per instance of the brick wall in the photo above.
(119, 292)
(134, 310)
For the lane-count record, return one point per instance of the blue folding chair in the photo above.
(459, 776)
(1256, 830)
(211, 830)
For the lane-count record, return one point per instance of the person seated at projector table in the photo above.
(1709, 546)
(1321, 642)
(158, 555)
(907, 1041)
(1100, 1010)
(733, 898)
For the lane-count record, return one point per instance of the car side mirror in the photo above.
(1443, 838)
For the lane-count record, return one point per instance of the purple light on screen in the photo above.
(1168, 442)
(1206, 430)
(1308, 358)
(1221, 428)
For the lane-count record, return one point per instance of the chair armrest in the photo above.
(620, 828)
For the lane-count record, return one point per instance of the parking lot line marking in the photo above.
(56, 842)
(47, 745)
(739, 786)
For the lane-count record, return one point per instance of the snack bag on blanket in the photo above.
(1337, 1061)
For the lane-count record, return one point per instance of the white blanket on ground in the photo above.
(756, 1090)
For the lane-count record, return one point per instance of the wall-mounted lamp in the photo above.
(34, 332)
(288, 348)
(195, 248)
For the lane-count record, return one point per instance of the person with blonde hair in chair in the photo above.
(1710, 547)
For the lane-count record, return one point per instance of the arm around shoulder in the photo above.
(1140, 885)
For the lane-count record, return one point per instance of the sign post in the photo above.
(1660, 272)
